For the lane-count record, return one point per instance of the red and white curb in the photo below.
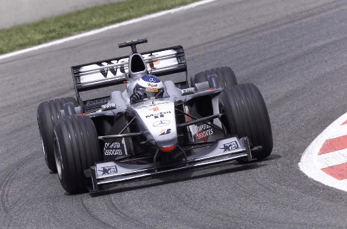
(325, 159)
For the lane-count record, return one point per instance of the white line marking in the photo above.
(339, 130)
(331, 159)
(97, 31)
(309, 163)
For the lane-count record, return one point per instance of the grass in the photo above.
(24, 36)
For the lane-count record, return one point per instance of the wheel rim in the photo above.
(58, 158)
(43, 148)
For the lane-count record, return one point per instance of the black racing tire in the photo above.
(48, 113)
(246, 115)
(226, 76)
(77, 148)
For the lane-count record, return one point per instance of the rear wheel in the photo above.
(48, 114)
(246, 116)
(76, 149)
(226, 76)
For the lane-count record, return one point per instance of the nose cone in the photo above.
(160, 121)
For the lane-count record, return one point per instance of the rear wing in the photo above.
(115, 71)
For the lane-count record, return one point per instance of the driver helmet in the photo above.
(151, 86)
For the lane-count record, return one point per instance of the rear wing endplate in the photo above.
(115, 71)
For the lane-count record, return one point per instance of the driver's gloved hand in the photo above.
(137, 97)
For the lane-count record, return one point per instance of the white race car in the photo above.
(150, 127)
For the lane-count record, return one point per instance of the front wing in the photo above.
(222, 151)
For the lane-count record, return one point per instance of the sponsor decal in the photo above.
(97, 101)
(154, 109)
(107, 68)
(151, 79)
(230, 146)
(203, 127)
(113, 149)
(203, 131)
(202, 135)
(82, 114)
(161, 123)
(110, 106)
(156, 62)
(110, 152)
(152, 85)
(152, 64)
(164, 132)
(107, 170)
(189, 119)
(112, 145)
(158, 115)
(151, 89)
(187, 91)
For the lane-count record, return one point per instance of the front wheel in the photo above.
(246, 115)
(76, 149)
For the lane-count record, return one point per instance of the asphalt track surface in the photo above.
(294, 51)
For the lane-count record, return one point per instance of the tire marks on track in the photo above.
(6, 181)
(89, 212)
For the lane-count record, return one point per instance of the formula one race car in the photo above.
(152, 127)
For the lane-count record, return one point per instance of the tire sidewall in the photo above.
(247, 116)
(48, 114)
(77, 148)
